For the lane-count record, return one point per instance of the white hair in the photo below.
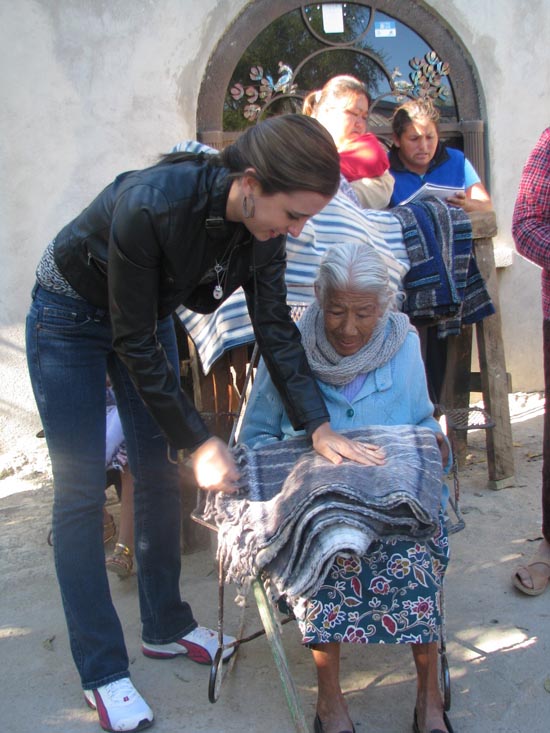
(351, 266)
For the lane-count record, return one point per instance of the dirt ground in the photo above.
(497, 639)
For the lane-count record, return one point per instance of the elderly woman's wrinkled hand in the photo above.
(336, 447)
(214, 467)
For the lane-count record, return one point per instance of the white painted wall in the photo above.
(90, 88)
(508, 43)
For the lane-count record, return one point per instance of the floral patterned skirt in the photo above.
(390, 596)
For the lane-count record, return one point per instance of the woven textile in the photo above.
(299, 511)
(444, 285)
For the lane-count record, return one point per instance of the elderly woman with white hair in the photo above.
(367, 361)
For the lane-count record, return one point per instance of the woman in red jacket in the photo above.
(342, 106)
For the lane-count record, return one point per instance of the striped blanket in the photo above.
(443, 285)
(339, 221)
(298, 511)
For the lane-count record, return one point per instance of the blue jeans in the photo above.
(69, 353)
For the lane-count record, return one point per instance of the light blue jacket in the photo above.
(395, 394)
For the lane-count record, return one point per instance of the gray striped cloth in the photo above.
(297, 511)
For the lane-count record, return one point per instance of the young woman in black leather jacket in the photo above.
(188, 230)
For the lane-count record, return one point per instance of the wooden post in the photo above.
(492, 362)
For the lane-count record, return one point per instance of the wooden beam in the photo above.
(494, 382)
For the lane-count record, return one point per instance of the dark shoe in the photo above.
(446, 720)
(318, 726)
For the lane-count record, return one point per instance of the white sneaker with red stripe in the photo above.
(120, 706)
(200, 645)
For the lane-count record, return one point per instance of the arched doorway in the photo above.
(274, 53)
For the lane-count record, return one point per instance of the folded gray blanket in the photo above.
(299, 511)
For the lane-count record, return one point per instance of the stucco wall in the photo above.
(507, 41)
(90, 88)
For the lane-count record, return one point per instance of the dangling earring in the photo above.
(249, 212)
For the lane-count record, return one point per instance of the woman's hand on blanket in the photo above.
(336, 447)
(214, 467)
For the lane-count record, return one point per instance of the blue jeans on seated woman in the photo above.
(69, 353)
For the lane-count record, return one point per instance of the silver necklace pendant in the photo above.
(217, 292)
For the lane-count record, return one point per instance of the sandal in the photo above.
(109, 531)
(121, 561)
(539, 577)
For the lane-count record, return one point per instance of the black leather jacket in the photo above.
(142, 247)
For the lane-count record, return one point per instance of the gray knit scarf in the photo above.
(330, 367)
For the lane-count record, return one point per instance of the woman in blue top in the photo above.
(417, 156)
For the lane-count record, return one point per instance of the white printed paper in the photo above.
(333, 18)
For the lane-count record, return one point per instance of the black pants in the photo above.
(434, 354)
